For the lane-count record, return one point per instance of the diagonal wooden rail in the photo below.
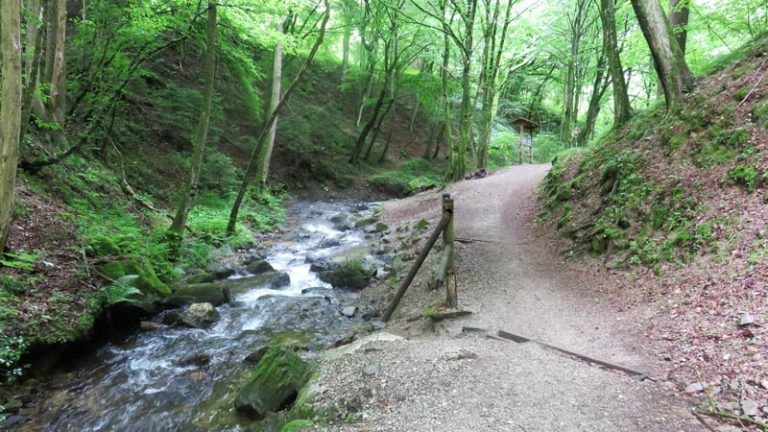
(444, 227)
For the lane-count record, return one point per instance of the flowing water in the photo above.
(144, 384)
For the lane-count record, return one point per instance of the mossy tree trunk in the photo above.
(599, 87)
(189, 190)
(679, 11)
(668, 59)
(621, 105)
(277, 78)
(10, 111)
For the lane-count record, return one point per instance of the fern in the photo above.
(121, 290)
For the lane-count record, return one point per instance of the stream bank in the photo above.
(178, 373)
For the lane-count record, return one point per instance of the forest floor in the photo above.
(455, 376)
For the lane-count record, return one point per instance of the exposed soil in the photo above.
(450, 376)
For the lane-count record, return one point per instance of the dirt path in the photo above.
(460, 381)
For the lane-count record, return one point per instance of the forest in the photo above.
(155, 153)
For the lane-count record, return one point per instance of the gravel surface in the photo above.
(444, 378)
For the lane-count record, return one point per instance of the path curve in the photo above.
(513, 281)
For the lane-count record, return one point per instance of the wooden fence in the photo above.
(447, 269)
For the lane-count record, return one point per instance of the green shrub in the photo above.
(743, 175)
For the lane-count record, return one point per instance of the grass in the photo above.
(410, 177)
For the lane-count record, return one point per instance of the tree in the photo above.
(189, 191)
(668, 59)
(621, 105)
(251, 168)
(10, 111)
(577, 27)
(679, 10)
(55, 75)
(277, 78)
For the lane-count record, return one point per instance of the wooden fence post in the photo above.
(452, 300)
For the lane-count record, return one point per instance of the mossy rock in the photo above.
(367, 221)
(274, 384)
(153, 290)
(199, 278)
(211, 292)
(259, 266)
(349, 275)
(102, 246)
(296, 425)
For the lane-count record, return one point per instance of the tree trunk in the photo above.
(598, 90)
(10, 111)
(668, 59)
(444, 82)
(250, 169)
(32, 71)
(621, 105)
(277, 77)
(679, 10)
(569, 99)
(458, 163)
(345, 52)
(189, 190)
(55, 75)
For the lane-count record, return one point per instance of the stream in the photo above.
(153, 381)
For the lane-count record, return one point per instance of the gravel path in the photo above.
(453, 380)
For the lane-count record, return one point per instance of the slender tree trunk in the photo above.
(345, 52)
(383, 156)
(598, 90)
(250, 169)
(569, 99)
(621, 105)
(413, 116)
(277, 77)
(444, 82)
(189, 190)
(377, 128)
(458, 163)
(366, 92)
(31, 84)
(55, 70)
(10, 111)
(668, 59)
(679, 11)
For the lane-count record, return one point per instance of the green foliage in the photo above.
(121, 290)
(11, 350)
(744, 175)
(410, 177)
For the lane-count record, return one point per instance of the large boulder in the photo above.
(154, 292)
(270, 279)
(274, 384)
(351, 275)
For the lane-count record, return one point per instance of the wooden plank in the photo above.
(608, 365)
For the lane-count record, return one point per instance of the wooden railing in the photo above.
(447, 269)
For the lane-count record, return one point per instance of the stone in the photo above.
(13, 405)
(203, 277)
(694, 388)
(270, 279)
(221, 270)
(329, 243)
(259, 266)
(366, 222)
(212, 293)
(750, 408)
(149, 326)
(349, 311)
(746, 319)
(350, 275)
(273, 385)
(371, 370)
(198, 359)
(202, 314)
(197, 315)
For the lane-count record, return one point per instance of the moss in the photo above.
(295, 425)
(738, 72)
(741, 93)
(349, 275)
(153, 290)
(274, 383)
(102, 246)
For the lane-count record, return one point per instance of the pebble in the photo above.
(694, 388)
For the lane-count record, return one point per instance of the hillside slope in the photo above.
(674, 205)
